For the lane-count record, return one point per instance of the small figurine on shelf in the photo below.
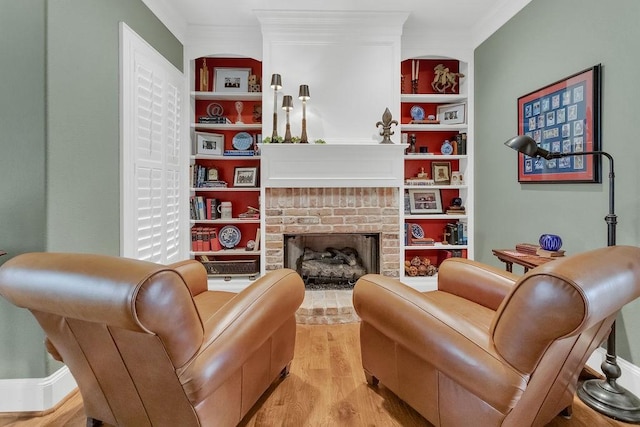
(239, 108)
(257, 113)
(204, 76)
(254, 85)
(411, 149)
(444, 79)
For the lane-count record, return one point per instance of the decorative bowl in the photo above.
(550, 242)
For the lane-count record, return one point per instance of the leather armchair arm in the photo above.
(194, 275)
(477, 282)
(430, 326)
(239, 328)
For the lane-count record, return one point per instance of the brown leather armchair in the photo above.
(489, 348)
(149, 344)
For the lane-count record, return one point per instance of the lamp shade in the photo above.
(287, 103)
(276, 82)
(526, 145)
(304, 92)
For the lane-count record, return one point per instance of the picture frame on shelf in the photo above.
(563, 117)
(457, 178)
(425, 201)
(452, 114)
(245, 177)
(231, 79)
(209, 143)
(441, 173)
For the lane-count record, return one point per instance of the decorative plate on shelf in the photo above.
(417, 112)
(242, 141)
(229, 236)
(416, 231)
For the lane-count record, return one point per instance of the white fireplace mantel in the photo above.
(332, 165)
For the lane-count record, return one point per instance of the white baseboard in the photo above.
(36, 394)
(630, 378)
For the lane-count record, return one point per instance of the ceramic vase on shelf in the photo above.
(550, 242)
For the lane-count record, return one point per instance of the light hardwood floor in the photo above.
(326, 388)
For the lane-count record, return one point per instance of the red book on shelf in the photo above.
(194, 239)
(213, 240)
(199, 239)
(206, 242)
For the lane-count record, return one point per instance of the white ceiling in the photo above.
(477, 18)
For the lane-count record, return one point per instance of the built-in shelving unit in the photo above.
(423, 122)
(224, 171)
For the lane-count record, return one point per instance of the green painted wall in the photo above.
(59, 115)
(83, 182)
(22, 169)
(546, 41)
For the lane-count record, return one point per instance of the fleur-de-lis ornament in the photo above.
(386, 123)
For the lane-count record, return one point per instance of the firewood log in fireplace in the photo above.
(332, 264)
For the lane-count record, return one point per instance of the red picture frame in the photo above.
(563, 117)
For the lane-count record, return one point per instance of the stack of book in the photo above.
(418, 181)
(213, 184)
(240, 153)
(424, 241)
(527, 248)
(549, 254)
(456, 210)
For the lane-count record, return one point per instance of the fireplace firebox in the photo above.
(332, 260)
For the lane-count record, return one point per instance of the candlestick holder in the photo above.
(414, 86)
(287, 105)
(276, 85)
(304, 95)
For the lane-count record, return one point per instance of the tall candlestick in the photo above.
(287, 105)
(276, 84)
(304, 95)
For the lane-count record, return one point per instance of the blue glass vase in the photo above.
(550, 242)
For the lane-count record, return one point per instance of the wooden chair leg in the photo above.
(285, 371)
(371, 380)
(567, 412)
(92, 422)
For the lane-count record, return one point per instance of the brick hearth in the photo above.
(327, 307)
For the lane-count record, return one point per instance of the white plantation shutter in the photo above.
(151, 152)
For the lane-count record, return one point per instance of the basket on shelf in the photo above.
(225, 268)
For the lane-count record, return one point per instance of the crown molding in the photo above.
(369, 24)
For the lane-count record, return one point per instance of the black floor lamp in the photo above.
(605, 396)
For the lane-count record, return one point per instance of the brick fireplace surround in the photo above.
(332, 210)
(332, 189)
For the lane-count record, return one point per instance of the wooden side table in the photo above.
(527, 261)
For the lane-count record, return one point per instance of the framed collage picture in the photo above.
(563, 117)
(245, 177)
(231, 79)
